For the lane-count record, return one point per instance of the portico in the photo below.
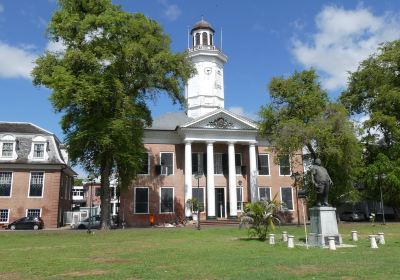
(225, 129)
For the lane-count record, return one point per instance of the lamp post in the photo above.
(198, 175)
(296, 177)
(379, 178)
(91, 178)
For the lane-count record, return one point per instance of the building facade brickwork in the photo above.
(35, 177)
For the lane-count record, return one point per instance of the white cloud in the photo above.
(18, 62)
(58, 47)
(343, 39)
(1, 8)
(241, 112)
(359, 123)
(15, 62)
(172, 11)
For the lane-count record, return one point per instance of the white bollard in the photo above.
(372, 239)
(354, 235)
(284, 236)
(290, 239)
(381, 238)
(271, 239)
(332, 245)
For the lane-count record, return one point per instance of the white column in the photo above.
(210, 182)
(232, 181)
(188, 176)
(253, 172)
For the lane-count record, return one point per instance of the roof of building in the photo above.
(22, 127)
(24, 134)
(170, 121)
(202, 24)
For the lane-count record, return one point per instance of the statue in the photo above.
(321, 181)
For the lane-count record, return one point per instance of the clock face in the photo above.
(208, 70)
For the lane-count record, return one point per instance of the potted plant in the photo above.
(196, 207)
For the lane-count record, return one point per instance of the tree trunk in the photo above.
(105, 193)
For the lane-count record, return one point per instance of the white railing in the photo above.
(203, 47)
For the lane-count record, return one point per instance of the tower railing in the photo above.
(203, 47)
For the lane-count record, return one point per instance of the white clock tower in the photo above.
(205, 91)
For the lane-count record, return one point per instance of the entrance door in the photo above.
(220, 202)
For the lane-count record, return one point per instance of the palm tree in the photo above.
(259, 217)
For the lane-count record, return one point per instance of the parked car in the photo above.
(94, 222)
(29, 222)
(353, 216)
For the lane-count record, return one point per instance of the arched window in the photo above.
(211, 39)
(197, 39)
(205, 38)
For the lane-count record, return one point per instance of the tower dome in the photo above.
(202, 33)
(202, 24)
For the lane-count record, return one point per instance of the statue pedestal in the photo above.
(323, 225)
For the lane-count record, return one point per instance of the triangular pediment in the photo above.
(221, 119)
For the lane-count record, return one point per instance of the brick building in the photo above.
(35, 177)
(237, 166)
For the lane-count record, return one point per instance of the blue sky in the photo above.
(262, 39)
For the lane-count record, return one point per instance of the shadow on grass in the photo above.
(250, 239)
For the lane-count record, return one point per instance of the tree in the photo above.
(113, 63)
(301, 115)
(374, 91)
(259, 217)
(383, 173)
(78, 182)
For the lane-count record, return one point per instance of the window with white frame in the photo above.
(198, 194)
(263, 164)
(167, 200)
(287, 198)
(38, 150)
(36, 184)
(145, 165)
(77, 192)
(4, 213)
(36, 212)
(7, 149)
(218, 168)
(5, 183)
(284, 166)
(238, 164)
(197, 163)
(167, 163)
(141, 200)
(264, 193)
(239, 196)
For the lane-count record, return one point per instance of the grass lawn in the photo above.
(185, 253)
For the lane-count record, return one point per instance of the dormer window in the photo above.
(38, 150)
(7, 147)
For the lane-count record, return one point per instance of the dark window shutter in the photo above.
(225, 164)
(158, 169)
(205, 163)
(244, 169)
(195, 165)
